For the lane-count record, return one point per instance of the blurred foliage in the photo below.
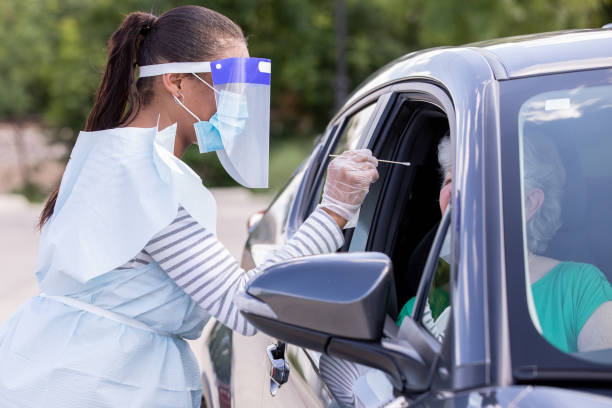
(32, 192)
(53, 52)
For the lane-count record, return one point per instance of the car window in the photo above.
(566, 186)
(353, 129)
(400, 217)
(401, 213)
(347, 139)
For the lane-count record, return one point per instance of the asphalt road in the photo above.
(19, 239)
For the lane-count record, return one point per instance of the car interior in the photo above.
(414, 192)
(402, 211)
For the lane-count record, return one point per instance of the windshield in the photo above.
(564, 128)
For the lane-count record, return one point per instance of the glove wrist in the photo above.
(341, 209)
(336, 217)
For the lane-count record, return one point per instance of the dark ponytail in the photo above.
(183, 34)
(116, 91)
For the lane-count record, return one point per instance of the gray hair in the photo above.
(445, 155)
(543, 170)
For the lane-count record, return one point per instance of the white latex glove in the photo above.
(348, 181)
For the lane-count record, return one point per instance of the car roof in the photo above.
(499, 59)
(544, 53)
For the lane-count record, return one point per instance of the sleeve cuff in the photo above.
(332, 228)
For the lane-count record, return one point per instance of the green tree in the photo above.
(53, 51)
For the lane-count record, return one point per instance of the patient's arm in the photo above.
(596, 333)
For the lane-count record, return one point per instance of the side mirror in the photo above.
(342, 294)
(336, 304)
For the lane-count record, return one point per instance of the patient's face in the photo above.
(445, 191)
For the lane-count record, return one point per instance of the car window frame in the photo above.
(430, 267)
(383, 101)
(418, 91)
(437, 95)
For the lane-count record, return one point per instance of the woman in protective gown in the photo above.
(129, 265)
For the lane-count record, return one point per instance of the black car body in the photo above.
(492, 352)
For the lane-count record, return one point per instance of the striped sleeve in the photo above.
(319, 234)
(339, 376)
(197, 262)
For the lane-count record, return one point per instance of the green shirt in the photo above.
(564, 299)
(438, 301)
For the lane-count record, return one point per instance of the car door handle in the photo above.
(278, 366)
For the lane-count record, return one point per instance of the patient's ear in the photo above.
(533, 201)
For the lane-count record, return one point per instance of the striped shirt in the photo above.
(197, 262)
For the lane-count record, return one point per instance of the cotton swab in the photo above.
(407, 164)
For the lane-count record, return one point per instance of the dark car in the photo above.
(530, 124)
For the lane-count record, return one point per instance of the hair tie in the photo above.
(145, 29)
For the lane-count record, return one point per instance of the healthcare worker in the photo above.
(129, 264)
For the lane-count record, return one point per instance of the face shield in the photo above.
(240, 129)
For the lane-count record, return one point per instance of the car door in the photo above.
(401, 213)
(251, 384)
(389, 124)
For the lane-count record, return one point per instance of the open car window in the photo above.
(353, 129)
(401, 213)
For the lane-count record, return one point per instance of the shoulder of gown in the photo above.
(120, 187)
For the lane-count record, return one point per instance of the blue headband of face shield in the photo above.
(239, 130)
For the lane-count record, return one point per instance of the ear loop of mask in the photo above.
(206, 83)
(177, 100)
(185, 107)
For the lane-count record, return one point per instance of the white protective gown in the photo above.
(120, 187)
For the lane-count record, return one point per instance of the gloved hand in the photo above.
(348, 181)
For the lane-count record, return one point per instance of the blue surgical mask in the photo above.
(231, 117)
(221, 130)
(207, 133)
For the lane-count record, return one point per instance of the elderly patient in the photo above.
(573, 301)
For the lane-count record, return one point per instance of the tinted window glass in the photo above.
(437, 309)
(566, 185)
(348, 139)
(354, 128)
